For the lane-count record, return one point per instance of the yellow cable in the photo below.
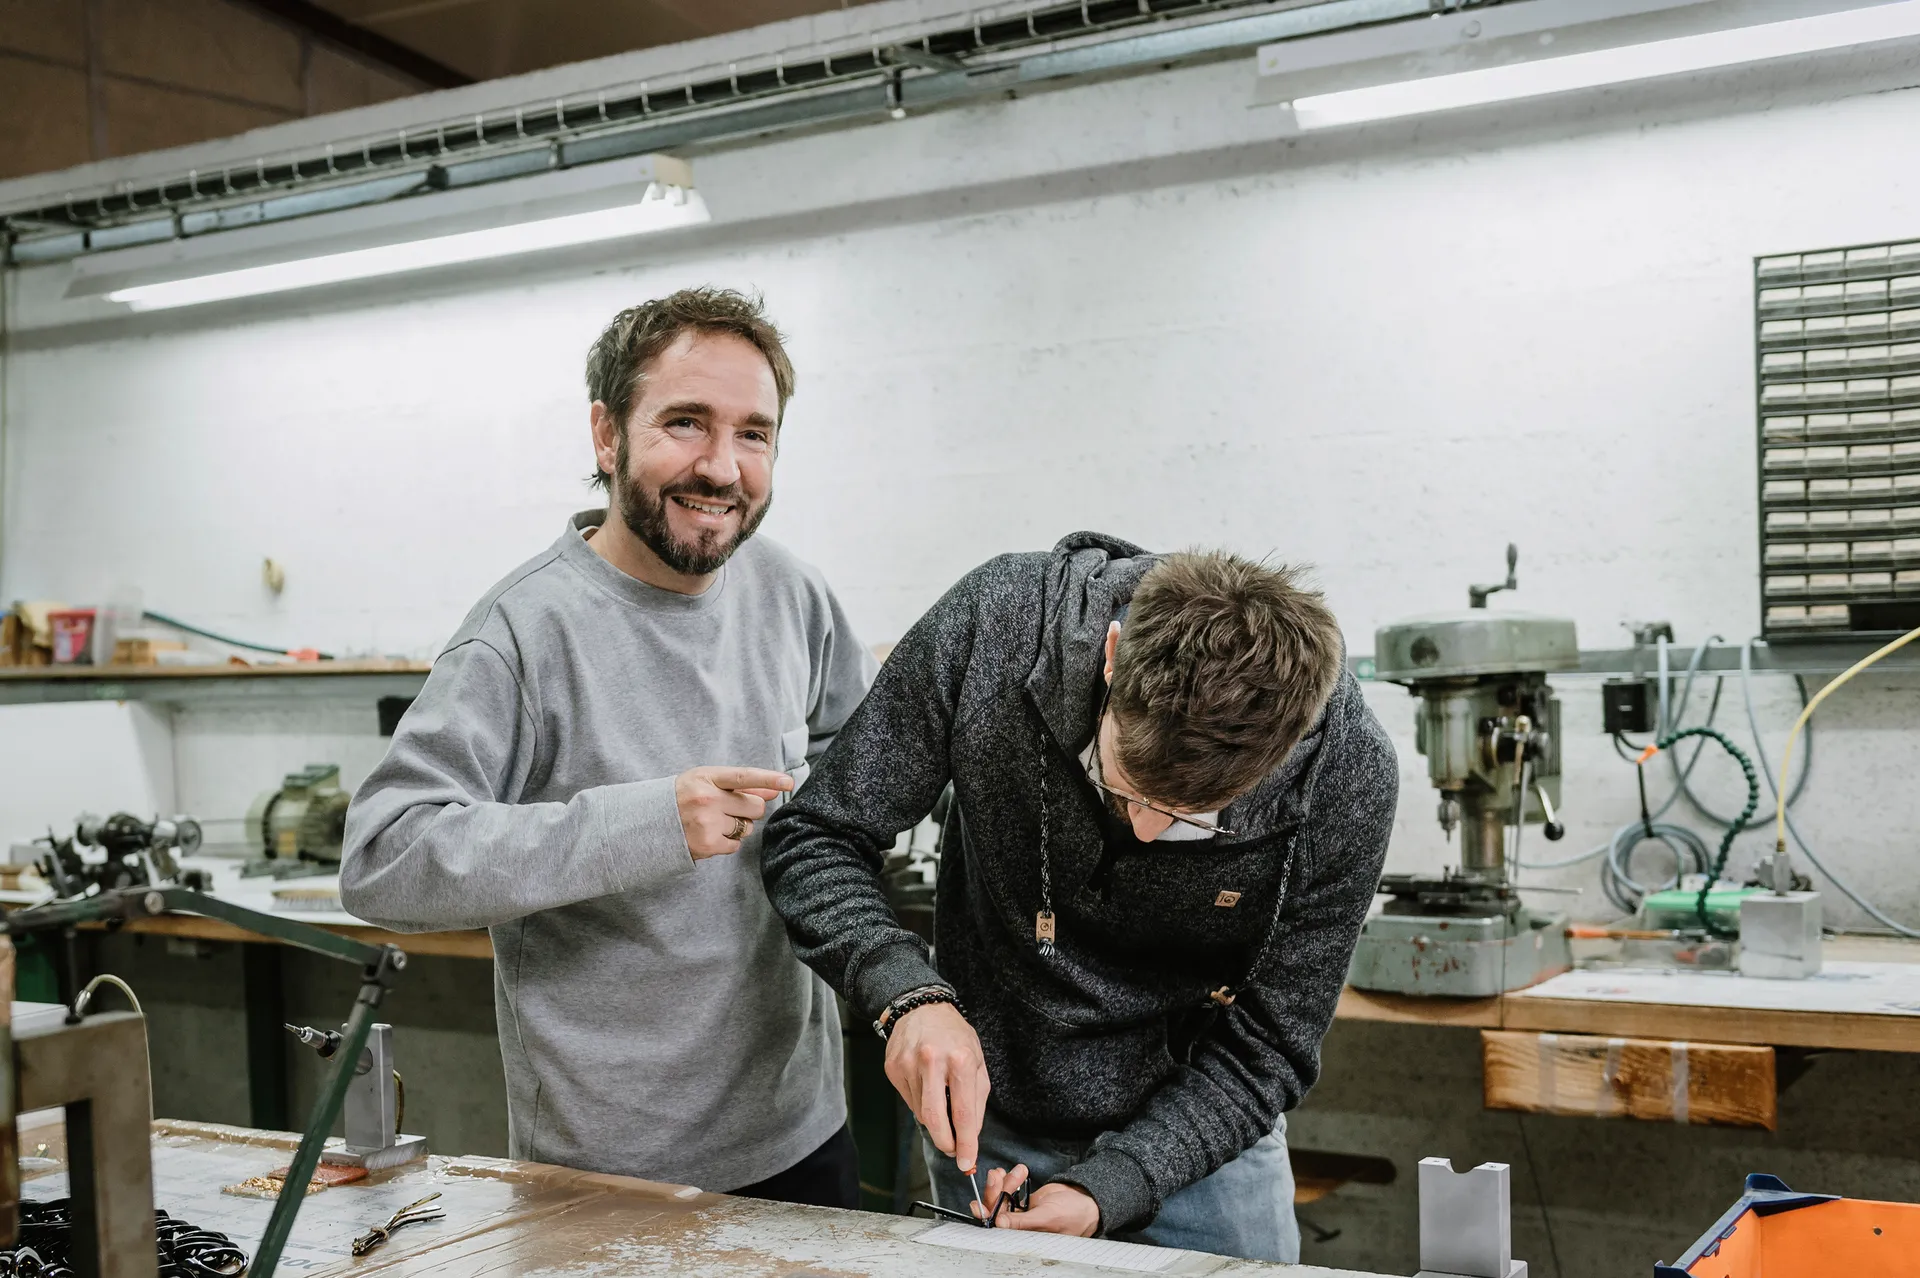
(1786, 758)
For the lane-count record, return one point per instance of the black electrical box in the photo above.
(1627, 705)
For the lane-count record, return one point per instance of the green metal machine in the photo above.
(299, 828)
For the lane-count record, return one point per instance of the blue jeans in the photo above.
(1244, 1209)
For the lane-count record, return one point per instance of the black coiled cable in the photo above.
(1732, 831)
(45, 1246)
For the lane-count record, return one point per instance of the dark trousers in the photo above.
(828, 1177)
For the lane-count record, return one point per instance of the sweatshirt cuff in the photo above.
(641, 841)
(1119, 1186)
(888, 972)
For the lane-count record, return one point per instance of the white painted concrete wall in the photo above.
(1126, 307)
(61, 760)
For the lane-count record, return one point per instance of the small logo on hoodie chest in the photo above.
(1227, 899)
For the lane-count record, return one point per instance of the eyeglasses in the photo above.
(1111, 793)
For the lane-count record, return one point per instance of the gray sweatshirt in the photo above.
(653, 1019)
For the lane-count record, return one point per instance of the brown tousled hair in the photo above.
(637, 336)
(1223, 665)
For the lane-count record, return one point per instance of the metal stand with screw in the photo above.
(378, 965)
(1466, 1222)
(376, 1102)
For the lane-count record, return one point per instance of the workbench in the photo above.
(1566, 1005)
(1545, 1008)
(257, 894)
(512, 1217)
(364, 679)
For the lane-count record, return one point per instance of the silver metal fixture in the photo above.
(1466, 1222)
(1489, 726)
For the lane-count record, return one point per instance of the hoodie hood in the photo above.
(1090, 579)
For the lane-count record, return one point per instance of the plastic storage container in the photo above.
(1772, 1232)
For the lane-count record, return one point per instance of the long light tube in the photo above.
(660, 210)
(1611, 66)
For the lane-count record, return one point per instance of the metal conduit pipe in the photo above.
(1051, 43)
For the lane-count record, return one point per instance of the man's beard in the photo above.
(646, 514)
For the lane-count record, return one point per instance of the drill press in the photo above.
(1489, 726)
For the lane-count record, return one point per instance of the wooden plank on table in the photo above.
(1672, 1081)
(267, 670)
(1858, 1031)
(1413, 1009)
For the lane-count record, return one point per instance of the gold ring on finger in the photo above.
(739, 831)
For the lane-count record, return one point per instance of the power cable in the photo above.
(1617, 880)
(1539, 1194)
(1785, 813)
(231, 642)
(1806, 717)
(1689, 850)
(105, 978)
(1671, 721)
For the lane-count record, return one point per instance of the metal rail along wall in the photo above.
(1838, 367)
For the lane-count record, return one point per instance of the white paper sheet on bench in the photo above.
(1885, 989)
(1084, 1251)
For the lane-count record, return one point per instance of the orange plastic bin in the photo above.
(1773, 1232)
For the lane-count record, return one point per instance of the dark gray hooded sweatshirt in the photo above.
(1113, 1034)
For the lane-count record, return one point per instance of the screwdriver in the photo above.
(978, 1201)
(326, 1043)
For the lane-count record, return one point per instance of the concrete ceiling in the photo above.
(486, 39)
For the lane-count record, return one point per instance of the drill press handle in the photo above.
(1477, 595)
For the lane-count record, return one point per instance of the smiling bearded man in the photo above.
(586, 770)
(646, 511)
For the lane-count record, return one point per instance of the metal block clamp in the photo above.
(1466, 1222)
(373, 1114)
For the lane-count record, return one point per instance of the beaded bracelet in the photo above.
(925, 996)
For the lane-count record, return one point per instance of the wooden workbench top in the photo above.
(1809, 1025)
(1806, 1026)
(259, 670)
(505, 1217)
(257, 894)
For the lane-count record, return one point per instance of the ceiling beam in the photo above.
(348, 37)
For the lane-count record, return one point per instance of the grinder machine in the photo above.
(1489, 727)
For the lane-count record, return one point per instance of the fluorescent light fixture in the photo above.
(1611, 66)
(662, 208)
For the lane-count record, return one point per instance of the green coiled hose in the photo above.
(1732, 831)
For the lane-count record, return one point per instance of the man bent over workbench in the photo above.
(1171, 806)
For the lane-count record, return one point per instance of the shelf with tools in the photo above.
(359, 679)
